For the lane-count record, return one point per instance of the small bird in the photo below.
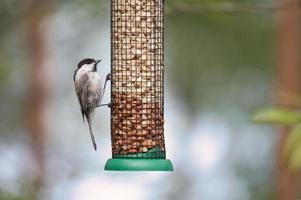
(88, 89)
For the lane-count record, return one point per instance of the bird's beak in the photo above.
(97, 61)
(95, 65)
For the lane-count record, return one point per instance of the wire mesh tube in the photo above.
(137, 79)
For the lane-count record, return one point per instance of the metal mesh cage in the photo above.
(137, 112)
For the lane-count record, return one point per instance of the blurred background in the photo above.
(224, 59)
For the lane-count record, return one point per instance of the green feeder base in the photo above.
(123, 164)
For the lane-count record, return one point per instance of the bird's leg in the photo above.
(106, 104)
(108, 77)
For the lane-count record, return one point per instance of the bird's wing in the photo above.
(80, 86)
(94, 91)
(87, 108)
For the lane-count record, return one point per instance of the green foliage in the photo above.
(4, 72)
(4, 195)
(210, 50)
(11, 14)
(294, 162)
(292, 149)
(291, 153)
(277, 116)
(291, 142)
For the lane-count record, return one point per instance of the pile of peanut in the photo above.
(137, 76)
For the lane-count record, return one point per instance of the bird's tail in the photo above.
(88, 117)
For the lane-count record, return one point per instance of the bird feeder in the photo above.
(137, 87)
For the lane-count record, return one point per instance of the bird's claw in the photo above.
(107, 104)
(108, 77)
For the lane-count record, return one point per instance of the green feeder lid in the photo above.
(136, 164)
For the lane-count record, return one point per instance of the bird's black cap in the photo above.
(85, 61)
